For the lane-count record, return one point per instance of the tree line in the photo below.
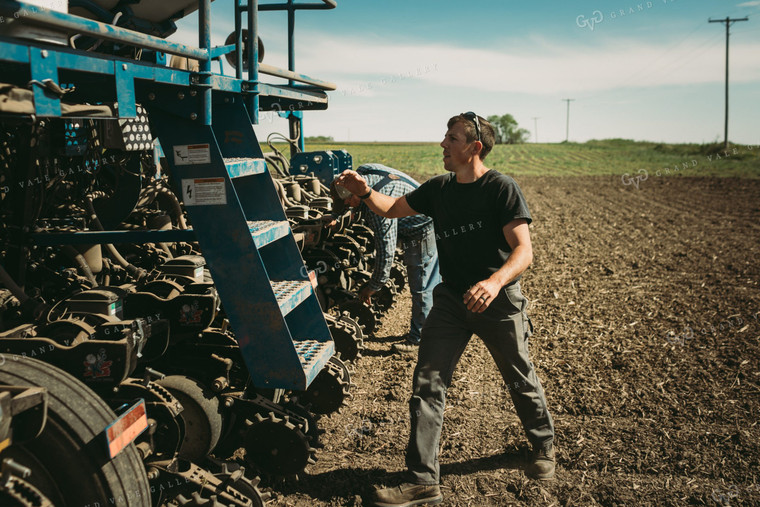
(506, 129)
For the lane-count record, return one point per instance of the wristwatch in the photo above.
(367, 194)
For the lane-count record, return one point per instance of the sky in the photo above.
(651, 70)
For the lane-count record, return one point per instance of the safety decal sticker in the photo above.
(97, 366)
(190, 315)
(192, 154)
(204, 191)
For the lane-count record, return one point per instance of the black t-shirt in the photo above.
(469, 220)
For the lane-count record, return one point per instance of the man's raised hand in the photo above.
(353, 182)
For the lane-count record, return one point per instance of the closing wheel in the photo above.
(277, 446)
(292, 406)
(363, 314)
(329, 391)
(398, 275)
(65, 460)
(347, 335)
(234, 476)
(385, 297)
(196, 500)
(200, 415)
(247, 487)
(16, 492)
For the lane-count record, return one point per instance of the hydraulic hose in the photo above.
(131, 269)
(11, 285)
(81, 262)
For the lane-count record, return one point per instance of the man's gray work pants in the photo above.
(504, 327)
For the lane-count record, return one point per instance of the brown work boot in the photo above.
(541, 465)
(405, 348)
(406, 495)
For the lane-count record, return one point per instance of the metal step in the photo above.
(291, 293)
(313, 355)
(242, 166)
(267, 231)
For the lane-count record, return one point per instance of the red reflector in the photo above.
(313, 279)
(124, 430)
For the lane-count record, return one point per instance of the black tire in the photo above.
(200, 414)
(64, 459)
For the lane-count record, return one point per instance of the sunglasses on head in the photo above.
(474, 119)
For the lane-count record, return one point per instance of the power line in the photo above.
(728, 21)
(646, 77)
(649, 68)
(567, 127)
(695, 54)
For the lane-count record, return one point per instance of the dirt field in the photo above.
(646, 307)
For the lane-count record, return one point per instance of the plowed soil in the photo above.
(646, 307)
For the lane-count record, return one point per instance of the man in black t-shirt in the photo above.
(483, 240)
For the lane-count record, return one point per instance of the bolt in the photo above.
(151, 96)
(193, 116)
(219, 384)
(193, 93)
(123, 66)
(180, 95)
(44, 53)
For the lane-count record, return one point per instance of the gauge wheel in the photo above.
(200, 415)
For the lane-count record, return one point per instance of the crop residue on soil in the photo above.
(646, 308)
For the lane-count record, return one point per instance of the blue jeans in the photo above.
(421, 259)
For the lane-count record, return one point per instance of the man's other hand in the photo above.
(481, 295)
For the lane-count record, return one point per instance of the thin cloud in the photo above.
(522, 69)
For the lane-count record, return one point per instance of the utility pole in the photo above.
(567, 127)
(728, 21)
(535, 129)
